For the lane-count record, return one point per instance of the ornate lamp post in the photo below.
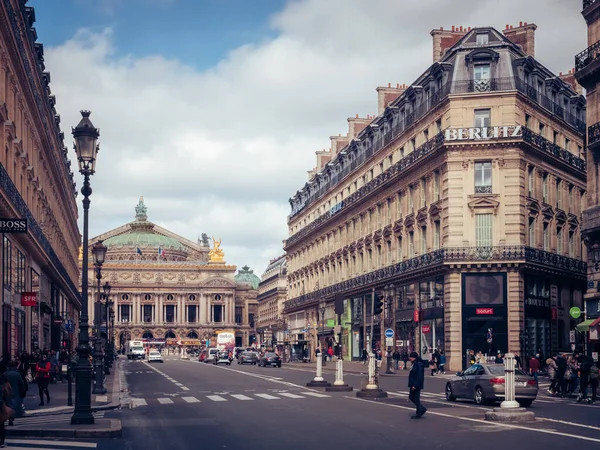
(112, 334)
(99, 254)
(107, 305)
(322, 309)
(389, 304)
(86, 137)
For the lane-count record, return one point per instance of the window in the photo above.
(423, 196)
(413, 144)
(147, 313)
(436, 186)
(388, 211)
(411, 206)
(436, 235)
(542, 129)
(124, 313)
(482, 39)
(7, 263)
(559, 241)
(401, 151)
(483, 177)
(217, 311)
(438, 125)
(527, 120)
(545, 188)
(20, 272)
(531, 180)
(411, 244)
(572, 244)
(399, 247)
(555, 137)
(571, 199)
(423, 240)
(398, 205)
(192, 316)
(426, 134)
(558, 195)
(482, 118)
(481, 72)
(390, 162)
(546, 237)
(483, 230)
(170, 313)
(567, 144)
(238, 314)
(531, 232)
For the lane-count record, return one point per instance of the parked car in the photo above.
(484, 383)
(269, 359)
(155, 355)
(222, 358)
(248, 358)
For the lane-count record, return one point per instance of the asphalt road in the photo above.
(189, 405)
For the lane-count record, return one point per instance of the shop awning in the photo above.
(584, 326)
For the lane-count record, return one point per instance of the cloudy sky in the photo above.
(213, 109)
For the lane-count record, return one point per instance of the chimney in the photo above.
(386, 95)
(356, 125)
(569, 78)
(445, 39)
(523, 36)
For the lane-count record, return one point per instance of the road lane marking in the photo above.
(316, 394)
(216, 398)
(267, 396)
(241, 397)
(48, 443)
(287, 394)
(177, 383)
(183, 388)
(191, 399)
(485, 422)
(135, 402)
(101, 398)
(164, 401)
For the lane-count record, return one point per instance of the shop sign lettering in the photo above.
(484, 311)
(478, 133)
(13, 225)
(537, 302)
(426, 329)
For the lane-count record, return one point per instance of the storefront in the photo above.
(484, 314)
(431, 316)
(405, 318)
(538, 316)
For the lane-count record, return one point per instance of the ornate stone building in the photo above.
(587, 72)
(36, 186)
(272, 292)
(459, 206)
(167, 287)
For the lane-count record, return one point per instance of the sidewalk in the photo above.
(54, 418)
(349, 367)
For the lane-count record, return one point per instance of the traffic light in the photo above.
(378, 305)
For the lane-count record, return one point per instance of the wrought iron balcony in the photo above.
(411, 267)
(591, 220)
(586, 57)
(547, 146)
(594, 134)
(483, 189)
(587, 3)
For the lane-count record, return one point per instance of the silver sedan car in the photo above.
(484, 383)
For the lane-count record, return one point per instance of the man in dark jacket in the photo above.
(416, 382)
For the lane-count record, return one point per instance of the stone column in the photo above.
(202, 310)
(161, 310)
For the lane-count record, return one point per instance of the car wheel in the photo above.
(525, 403)
(478, 396)
(279, 365)
(449, 394)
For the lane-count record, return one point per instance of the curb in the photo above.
(115, 429)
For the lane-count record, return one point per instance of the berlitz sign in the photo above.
(479, 133)
(13, 225)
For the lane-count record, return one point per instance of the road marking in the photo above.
(267, 396)
(287, 394)
(316, 394)
(484, 422)
(164, 401)
(135, 402)
(241, 397)
(191, 399)
(183, 388)
(48, 443)
(216, 398)
(101, 398)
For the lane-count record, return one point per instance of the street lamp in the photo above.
(86, 148)
(322, 308)
(389, 293)
(108, 303)
(99, 255)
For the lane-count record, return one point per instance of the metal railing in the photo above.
(588, 56)
(594, 133)
(587, 3)
(384, 275)
(549, 147)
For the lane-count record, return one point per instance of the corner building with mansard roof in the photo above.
(459, 204)
(166, 288)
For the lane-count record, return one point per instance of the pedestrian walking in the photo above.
(416, 383)
(534, 367)
(17, 392)
(4, 409)
(42, 370)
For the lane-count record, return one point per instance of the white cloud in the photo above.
(221, 151)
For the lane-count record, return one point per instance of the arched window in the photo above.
(192, 335)
(147, 335)
(170, 335)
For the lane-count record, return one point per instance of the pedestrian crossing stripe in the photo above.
(223, 397)
(43, 419)
(27, 443)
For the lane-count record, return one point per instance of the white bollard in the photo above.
(319, 376)
(509, 382)
(339, 374)
(371, 383)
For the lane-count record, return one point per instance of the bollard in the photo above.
(371, 390)
(509, 382)
(372, 384)
(338, 384)
(318, 380)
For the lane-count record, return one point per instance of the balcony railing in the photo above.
(594, 133)
(588, 56)
(549, 147)
(438, 258)
(587, 3)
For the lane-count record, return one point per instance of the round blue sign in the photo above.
(389, 333)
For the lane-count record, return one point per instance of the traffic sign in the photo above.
(389, 333)
(69, 325)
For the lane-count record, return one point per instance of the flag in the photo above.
(139, 252)
(160, 252)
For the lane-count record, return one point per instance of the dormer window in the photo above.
(483, 39)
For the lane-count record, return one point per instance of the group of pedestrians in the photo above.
(572, 375)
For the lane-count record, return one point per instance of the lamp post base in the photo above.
(83, 388)
(318, 383)
(509, 415)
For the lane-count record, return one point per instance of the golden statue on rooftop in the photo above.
(216, 254)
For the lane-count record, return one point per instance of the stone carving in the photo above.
(181, 277)
(148, 276)
(170, 276)
(217, 283)
(114, 277)
(136, 277)
(159, 277)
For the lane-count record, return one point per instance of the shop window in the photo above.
(483, 177)
(20, 271)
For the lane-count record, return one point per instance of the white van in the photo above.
(135, 350)
(212, 354)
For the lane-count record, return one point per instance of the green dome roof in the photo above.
(142, 234)
(246, 276)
